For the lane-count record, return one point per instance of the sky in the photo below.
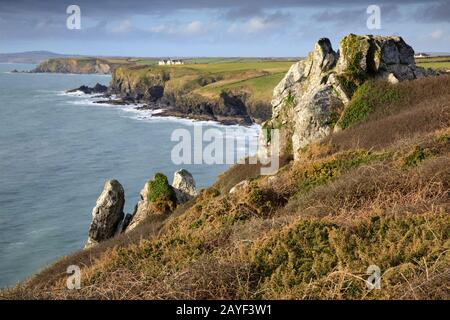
(202, 28)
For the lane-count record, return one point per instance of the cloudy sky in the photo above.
(214, 27)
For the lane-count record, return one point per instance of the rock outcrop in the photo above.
(98, 88)
(184, 186)
(159, 197)
(310, 99)
(141, 211)
(107, 213)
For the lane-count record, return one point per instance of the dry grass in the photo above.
(423, 106)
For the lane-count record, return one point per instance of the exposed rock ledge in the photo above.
(157, 197)
(98, 88)
(309, 101)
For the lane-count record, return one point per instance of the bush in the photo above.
(312, 256)
(321, 172)
(419, 154)
(160, 193)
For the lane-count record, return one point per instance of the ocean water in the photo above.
(57, 150)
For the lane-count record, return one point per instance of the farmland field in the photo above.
(436, 63)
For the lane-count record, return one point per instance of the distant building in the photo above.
(421, 55)
(169, 62)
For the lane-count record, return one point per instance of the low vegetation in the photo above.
(160, 194)
(365, 98)
(375, 193)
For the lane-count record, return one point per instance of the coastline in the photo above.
(151, 114)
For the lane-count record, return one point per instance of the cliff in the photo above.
(79, 65)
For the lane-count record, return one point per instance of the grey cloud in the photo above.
(434, 12)
(121, 7)
(262, 24)
(359, 15)
(266, 19)
(243, 12)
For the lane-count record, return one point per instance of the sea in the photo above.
(58, 149)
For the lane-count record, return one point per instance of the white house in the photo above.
(421, 55)
(169, 62)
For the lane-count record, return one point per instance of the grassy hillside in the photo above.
(375, 193)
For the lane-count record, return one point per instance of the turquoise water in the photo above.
(56, 151)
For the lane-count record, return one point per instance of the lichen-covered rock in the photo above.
(309, 100)
(302, 101)
(184, 186)
(365, 56)
(157, 197)
(107, 214)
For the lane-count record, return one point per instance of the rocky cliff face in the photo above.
(160, 89)
(75, 65)
(308, 102)
(137, 84)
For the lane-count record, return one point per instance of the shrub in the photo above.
(419, 154)
(317, 258)
(321, 172)
(160, 193)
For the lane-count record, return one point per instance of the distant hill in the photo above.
(29, 57)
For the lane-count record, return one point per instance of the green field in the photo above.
(261, 86)
(436, 63)
(256, 77)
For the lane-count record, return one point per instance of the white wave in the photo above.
(79, 93)
(72, 94)
(85, 102)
